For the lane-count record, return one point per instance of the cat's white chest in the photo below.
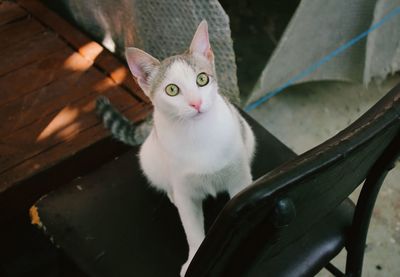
(203, 146)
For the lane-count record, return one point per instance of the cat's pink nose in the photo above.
(196, 105)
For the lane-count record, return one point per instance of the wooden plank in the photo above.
(105, 60)
(25, 110)
(55, 129)
(60, 26)
(40, 73)
(52, 130)
(91, 133)
(23, 53)
(19, 31)
(51, 127)
(9, 12)
(48, 91)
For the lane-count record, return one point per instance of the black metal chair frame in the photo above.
(273, 186)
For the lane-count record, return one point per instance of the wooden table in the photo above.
(50, 76)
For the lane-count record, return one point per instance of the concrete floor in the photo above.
(306, 115)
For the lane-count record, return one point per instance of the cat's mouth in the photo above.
(198, 114)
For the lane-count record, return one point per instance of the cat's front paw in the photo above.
(184, 268)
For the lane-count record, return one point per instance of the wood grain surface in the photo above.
(50, 76)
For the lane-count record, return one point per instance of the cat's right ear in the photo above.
(201, 43)
(141, 65)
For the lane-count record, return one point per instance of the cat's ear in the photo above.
(201, 43)
(141, 65)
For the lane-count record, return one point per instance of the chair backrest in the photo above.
(248, 230)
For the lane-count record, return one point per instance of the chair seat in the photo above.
(310, 253)
(112, 223)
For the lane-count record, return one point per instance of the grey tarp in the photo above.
(162, 28)
(383, 46)
(318, 28)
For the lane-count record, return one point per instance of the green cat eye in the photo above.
(202, 79)
(172, 90)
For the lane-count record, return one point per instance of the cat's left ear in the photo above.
(141, 65)
(201, 43)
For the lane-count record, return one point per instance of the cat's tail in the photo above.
(120, 127)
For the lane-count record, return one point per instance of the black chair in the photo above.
(292, 221)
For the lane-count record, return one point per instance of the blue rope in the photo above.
(325, 59)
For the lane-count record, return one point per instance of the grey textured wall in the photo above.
(162, 28)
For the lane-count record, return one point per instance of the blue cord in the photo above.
(325, 59)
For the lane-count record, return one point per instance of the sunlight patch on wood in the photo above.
(75, 62)
(62, 124)
(89, 107)
(91, 50)
(119, 74)
(104, 84)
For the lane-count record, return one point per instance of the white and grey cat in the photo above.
(199, 144)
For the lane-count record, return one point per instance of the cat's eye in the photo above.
(172, 89)
(202, 79)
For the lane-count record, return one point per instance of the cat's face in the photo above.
(182, 86)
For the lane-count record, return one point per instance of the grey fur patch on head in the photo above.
(199, 64)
